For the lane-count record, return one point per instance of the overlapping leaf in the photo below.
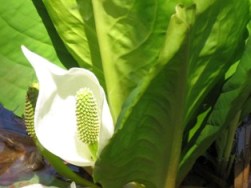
(151, 126)
(130, 35)
(231, 101)
(139, 138)
(75, 25)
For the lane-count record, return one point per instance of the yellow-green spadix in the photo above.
(58, 120)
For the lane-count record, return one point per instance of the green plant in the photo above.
(167, 69)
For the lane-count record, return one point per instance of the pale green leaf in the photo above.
(151, 126)
(130, 36)
(74, 22)
(21, 24)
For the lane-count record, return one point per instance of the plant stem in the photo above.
(62, 168)
(225, 163)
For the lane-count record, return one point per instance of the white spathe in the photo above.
(55, 118)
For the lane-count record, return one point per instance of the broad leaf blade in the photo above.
(216, 50)
(147, 143)
(157, 101)
(20, 24)
(74, 22)
(130, 36)
(234, 95)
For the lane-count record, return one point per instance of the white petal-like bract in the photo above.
(55, 117)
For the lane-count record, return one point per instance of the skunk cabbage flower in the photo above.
(72, 118)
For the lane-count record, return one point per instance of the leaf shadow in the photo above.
(64, 56)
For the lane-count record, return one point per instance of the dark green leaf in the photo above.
(233, 97)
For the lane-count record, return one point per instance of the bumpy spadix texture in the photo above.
(30, 104)
(55, 119)
(87, 116)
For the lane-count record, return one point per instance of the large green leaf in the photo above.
(74, 22)
(216, 52)
(140, 147)
(147, 144)
(130, 36)
(21, 24)
(229, 105)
